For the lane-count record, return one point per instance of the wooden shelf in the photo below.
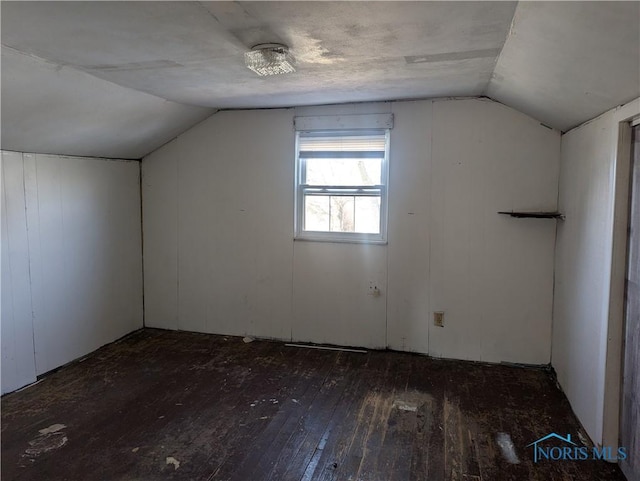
(534, 215)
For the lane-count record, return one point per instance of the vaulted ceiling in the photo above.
(118, 79)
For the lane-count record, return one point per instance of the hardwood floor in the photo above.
(184, 406)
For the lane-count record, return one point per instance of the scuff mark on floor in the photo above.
(52, 429)
(508, 449)
(48, 439)
(174, 461)
(404, 405)
(583, 439)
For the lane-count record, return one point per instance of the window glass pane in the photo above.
(367, 215)
(342, 214)
(344, 171)
(316, 213)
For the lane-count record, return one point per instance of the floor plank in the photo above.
(185, 406)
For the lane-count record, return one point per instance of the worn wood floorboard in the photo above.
(344, 423)
(183, 406)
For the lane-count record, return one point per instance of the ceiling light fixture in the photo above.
(269, 59)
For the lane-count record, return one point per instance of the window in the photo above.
(341, 185)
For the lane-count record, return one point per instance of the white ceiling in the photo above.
(118, 79)
(567, 62)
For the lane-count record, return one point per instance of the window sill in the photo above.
(380, 242)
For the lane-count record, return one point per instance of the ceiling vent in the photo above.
(269, 59)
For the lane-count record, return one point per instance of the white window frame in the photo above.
(301, 188)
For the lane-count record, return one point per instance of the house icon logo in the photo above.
(540, 451)
(554, 447)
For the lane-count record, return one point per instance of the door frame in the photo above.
(620, 180)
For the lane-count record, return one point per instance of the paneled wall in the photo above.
(71, 259)
(220, 255)
(583, 268)
(590, 268)
(18, 361)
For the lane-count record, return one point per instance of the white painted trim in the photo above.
(326, 348)
(341, 237)
(614, 340)
(344, 122)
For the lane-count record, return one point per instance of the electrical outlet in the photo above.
(438, 319)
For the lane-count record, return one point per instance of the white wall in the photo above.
(331, 296)
(220, 255)
(586, 331)
(71, 260)
(583, 267)
(218, 209)
(16, 326)
(492, 274)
